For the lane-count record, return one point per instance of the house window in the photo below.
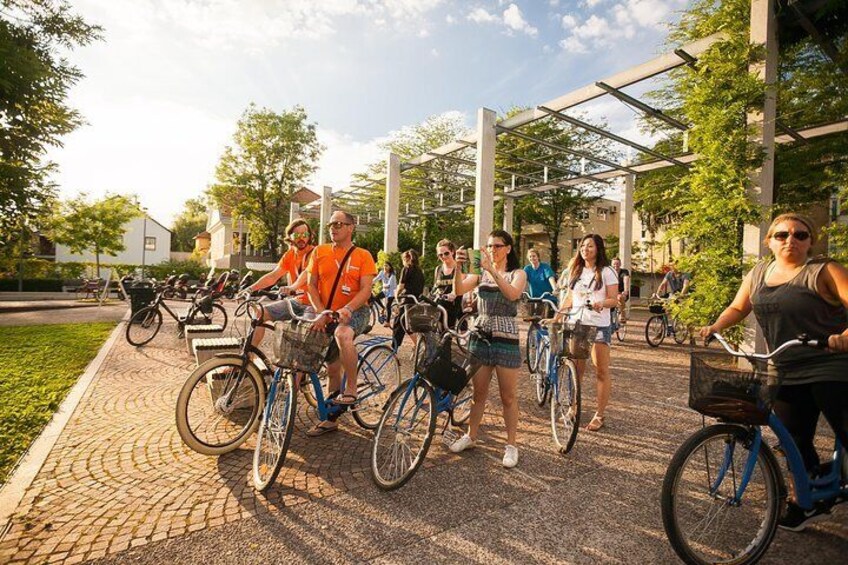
(602, 213)
(583, 215)
(150, 243)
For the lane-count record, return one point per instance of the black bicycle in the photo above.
(145, 324)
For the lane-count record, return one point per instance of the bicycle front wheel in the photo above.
(705, 519)
(620, 332)
(531, 356)
(565, 407)
(379, 376)
(143, 326)
(655, 331)
(404, 434)
(540, 376)
(275, 431)
(219, 405)
(461, 409)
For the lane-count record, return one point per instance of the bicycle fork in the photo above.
(728, 467)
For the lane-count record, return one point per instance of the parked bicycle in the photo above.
(533, 310)
(378, 312)
(660, 325)
(723, 491)
(619, 329)
(299, 353)
(443, 368)
(90, 288)
(145, 324)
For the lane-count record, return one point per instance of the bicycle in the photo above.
(145, 324)
(725, 476)
(378, 312)
(619, 329)
(443, 368)
(299, 352)
(661, 325)
(533, 310)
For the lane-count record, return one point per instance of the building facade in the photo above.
(146, 242)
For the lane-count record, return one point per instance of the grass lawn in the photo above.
(38, 366)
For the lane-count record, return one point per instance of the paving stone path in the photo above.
(119, 478)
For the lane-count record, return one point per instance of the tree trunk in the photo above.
(553, 237)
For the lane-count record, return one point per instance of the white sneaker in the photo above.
(510, 459)
(463, 443)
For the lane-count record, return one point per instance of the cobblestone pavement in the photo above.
(120, 478)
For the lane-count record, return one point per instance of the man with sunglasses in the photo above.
(293, 265)
(340, 279)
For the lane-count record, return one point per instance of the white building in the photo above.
(146, 242)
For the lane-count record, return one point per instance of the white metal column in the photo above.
(326, 212)
(485, 182)
(508, 214)
(625, 230)
(294, 211)
(390, 235)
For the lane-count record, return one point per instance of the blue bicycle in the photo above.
(438, 386)
(724, 492)
(533, 310)
(299, 352)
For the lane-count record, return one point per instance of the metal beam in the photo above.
(608, 135)
(825, 44)
(627, 99)
(789, 131)
(588, 156)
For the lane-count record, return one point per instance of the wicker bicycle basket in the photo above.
(656, 307)
(423, 318)
(574, 339)
(731, 389)
(299, 349)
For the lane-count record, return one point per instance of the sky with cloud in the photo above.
(163, 92)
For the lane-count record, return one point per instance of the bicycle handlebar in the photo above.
(801, 340)
(541, 299)
(331, 313)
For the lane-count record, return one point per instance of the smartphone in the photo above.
(474, 262)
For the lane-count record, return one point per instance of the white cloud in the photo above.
(481, 16)
(423, 33)
(343, 157)
(434, 52)
(569, 21)
(514, 20)
(450, 19)
(592, 3)
(553, 3)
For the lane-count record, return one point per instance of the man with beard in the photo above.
(293, 263)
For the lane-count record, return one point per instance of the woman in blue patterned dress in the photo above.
(499, 287)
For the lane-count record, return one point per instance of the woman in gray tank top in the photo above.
(791, 295)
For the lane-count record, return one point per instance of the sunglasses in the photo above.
(784, 235)
(337, 225)
(445, 254)
(495, 246)
(299, 236)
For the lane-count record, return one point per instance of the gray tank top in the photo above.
(793, 308)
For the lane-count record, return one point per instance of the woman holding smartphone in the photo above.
(499, 283)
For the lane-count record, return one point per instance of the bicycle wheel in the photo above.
(272, 440)
(373, 317)
(218, 315)
(404, 434)
(565, 407)
(143, 326)
(702, 519)
(461, 409)
(681, 332)
(219, 405)
(541, 383)
(655, 331)
(379, 376)
(620, 332)
(532, 348)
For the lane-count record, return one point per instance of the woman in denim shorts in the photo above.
(592, 280)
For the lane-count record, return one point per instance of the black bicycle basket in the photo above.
(444, 363)
(730, 388)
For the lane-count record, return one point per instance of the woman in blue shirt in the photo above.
(540, 276)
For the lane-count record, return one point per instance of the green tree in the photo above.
(190, 222)
(272, 156)
(93, 226)
(35, 78)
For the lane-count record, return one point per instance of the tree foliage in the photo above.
(190, 222)
(96, 226)
(272, 156)
(35, 78)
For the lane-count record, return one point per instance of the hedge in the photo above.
(32, 285)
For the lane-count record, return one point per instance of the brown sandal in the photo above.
(596, 424)
(319, 430)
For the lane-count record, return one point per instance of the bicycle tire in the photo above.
(379, 375)
(655, 331)
(218, 315)
(676, 485)
(280, 404)
(531, 348)
(565, 407)
(141, 319)
(542, 385)
(373, 318)
(621, 332)
(423, 401)
(681, 332)
(246, 406)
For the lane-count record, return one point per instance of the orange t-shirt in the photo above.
(294, 262)
(325, 264)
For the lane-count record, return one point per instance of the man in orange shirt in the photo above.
(354, 268)
(293, 263)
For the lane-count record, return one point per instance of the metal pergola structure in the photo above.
(464, 173)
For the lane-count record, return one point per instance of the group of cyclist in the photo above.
(789, 295)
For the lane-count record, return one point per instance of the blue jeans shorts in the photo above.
(604, 335)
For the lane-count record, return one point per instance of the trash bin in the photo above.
(141, 295)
